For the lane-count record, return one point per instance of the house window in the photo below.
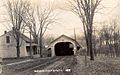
(7, 39)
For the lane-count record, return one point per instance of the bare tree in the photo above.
(95, 41)
(85, 10)
(38, 21)
(110, 34)
(48, 39)
(16, 9)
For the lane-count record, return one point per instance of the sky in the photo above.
(67, 20)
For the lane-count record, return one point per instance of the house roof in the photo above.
(24, 37)
(66, 37)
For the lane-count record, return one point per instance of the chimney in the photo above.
(5, 32)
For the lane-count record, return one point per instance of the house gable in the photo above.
(8, 47)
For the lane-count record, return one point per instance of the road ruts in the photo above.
(65, 66)
(28, 68)
(31, 70)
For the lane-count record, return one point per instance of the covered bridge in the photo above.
(63, 46)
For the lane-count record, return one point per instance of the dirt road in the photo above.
(67, 65)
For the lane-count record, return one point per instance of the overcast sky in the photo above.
(67, 20)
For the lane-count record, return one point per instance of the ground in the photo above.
(67, 65)
(101, 66)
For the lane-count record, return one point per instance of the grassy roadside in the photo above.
(100, 66)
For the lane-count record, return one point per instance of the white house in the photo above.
(63, 45)
(8, 46)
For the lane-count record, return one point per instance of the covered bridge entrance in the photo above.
(63, 46)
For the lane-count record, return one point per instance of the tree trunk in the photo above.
(40, 45)
(18, 51)
(31, 52)
(86, 38)
(88, 49)
(18, 44)
(90, 44)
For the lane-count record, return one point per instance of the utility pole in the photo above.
(75, 34)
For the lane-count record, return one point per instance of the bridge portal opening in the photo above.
(64, 49)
